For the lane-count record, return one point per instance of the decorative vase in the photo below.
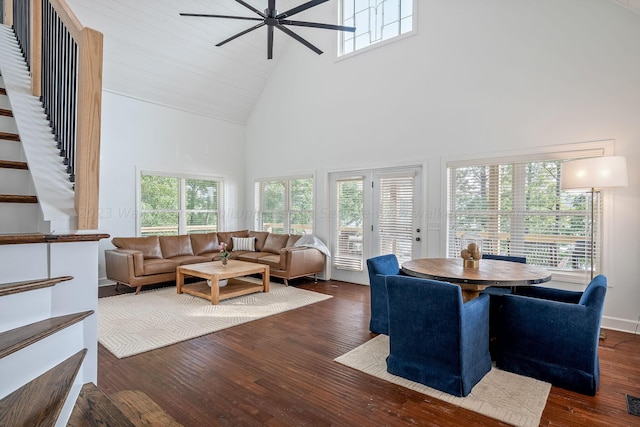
(225, 261)
(221, 283)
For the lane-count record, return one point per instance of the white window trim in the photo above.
(603, 147)
(182, 175)
(414, 31)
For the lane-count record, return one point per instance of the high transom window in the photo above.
(375, 21)
(171, 205)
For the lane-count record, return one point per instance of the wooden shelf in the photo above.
(235, 288)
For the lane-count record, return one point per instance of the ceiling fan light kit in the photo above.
(272, 19)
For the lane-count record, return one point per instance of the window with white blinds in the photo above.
(396, 215)
(517, 208)
(285, 205)
(349, 227)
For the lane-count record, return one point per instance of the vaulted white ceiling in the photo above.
(154, 54)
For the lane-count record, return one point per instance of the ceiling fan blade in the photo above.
(248, 6)
(300, 8)
(298, 38)
(270, 42)
(202, 15)
(318, 25)
(242, 33)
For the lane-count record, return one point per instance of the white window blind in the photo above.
(518, 208)
(396, 216)
(350, 220)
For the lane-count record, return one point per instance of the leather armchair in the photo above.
(434, 338)
(552, 335)
(379, 268)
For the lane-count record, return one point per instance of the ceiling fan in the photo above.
(272, 19)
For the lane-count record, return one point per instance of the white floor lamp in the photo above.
(594, 174)
(591, 175)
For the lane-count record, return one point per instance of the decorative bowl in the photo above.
(221, 283)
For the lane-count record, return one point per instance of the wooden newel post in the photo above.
(36, 47)
(88, 131)
(8, 13)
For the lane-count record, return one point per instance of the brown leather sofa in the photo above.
(139, 261)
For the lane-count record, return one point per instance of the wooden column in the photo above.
(88, 130)
(36, 47)
(8, 12)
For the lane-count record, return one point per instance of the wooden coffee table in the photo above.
(215, 272)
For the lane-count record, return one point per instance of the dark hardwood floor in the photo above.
(279, 371)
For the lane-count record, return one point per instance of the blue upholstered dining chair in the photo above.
(495, 303)
(434, 338)
(379, 268)
(552, 335)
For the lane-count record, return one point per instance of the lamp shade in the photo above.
(596, 172)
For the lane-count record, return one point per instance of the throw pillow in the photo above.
(244, 244)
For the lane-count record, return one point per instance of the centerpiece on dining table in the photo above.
(472, 254)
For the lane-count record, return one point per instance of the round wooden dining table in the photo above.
(474, 280)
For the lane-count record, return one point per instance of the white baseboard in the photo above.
(623, 325)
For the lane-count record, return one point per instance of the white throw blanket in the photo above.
(311, 241)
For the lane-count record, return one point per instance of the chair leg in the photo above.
(116, 288)
(286, 282)
(315, 278)
(138, 289)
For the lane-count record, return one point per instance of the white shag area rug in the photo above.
(130, 324)
(505, 396)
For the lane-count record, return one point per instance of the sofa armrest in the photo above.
(122, 264)
(300, 260)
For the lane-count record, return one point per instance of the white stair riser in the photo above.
(8, 124)
(24, 308)
(23, 262)
(18, 218)
(14, 181)
(57, 348)
(4, 102)
(11, 150)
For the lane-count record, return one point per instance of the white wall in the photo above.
(138, 135)
(478, 78)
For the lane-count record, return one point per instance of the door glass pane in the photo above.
(395, 223)
(350, 219)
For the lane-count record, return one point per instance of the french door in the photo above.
(374, 212)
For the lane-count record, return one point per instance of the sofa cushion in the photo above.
(261, 237)
(204, 243)
(226, 237)
(149, 246)
(173, 246)
(273, 261)
(293, 238)
(244, 243)
(157, 266)
(190, 259)
(275, 242)
(253, 256)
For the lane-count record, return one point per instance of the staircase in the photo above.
(48, 282)
(18, 204)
